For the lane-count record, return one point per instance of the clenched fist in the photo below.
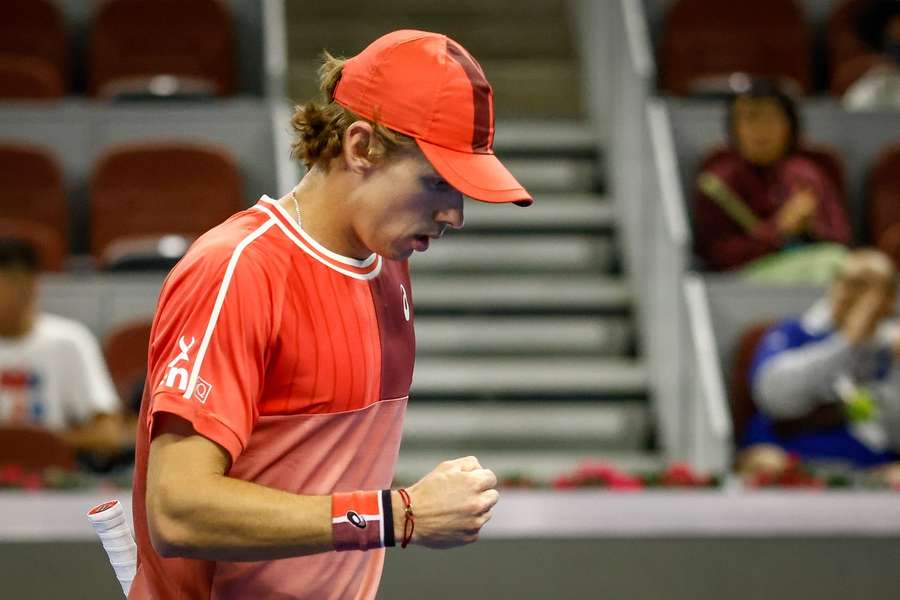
(451, 504)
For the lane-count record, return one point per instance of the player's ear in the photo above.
(359, 152)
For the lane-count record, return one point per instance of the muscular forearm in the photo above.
(220, 518)
(195, 510)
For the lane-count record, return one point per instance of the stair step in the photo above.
(523, 87)
(524, 376)
(544, 136)
(522, 253)
(555, 424)
(535, 87)
(306, 11)
(600, 336)
(515, 36)
(550, 212)
(553, 175)
(542, 465)
(506, 293)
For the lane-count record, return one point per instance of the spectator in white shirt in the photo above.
(52, 372)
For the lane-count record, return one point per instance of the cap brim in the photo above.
(478, 176)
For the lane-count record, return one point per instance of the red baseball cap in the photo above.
(428, 87)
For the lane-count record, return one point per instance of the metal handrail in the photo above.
(275, 47)
(666, 167)
(638, 40)
(704, 341)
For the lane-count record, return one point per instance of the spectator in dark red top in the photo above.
(761, 196)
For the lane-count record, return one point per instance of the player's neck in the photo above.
(323, 214)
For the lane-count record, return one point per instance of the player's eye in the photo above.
(436, 183)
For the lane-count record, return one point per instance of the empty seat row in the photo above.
(141, 195)
(135, 47)
(706, 42)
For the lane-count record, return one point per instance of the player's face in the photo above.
(762, 130)
(407, 204)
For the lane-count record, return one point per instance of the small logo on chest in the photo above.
(405, 302)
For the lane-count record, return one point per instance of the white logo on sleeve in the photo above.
(177, 376)
(405, 302)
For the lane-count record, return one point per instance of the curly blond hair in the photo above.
(319, 126)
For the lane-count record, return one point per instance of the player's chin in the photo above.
(399, 252)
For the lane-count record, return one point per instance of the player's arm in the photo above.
(194, 510)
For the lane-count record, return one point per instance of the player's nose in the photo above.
(451, 216)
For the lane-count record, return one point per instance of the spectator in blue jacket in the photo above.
(826, 384)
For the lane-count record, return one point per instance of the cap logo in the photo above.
(481, 98)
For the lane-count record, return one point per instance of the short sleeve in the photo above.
(88, 390)
(210, 342)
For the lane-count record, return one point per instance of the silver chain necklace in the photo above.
(296, 206)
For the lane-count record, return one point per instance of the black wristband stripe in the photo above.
(387, 518)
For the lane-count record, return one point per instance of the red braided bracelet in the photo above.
(409, 521)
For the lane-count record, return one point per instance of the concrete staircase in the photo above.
(526, 344)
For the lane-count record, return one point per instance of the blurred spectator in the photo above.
(52, 373)
(763, 199)
(878, 87)
(825, 383)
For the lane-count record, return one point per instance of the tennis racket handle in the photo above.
(110, 523)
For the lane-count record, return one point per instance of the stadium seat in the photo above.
(822, 154)
(884, 202)
(33, 201)
(848, 56)
(706, 41)
(149, 200)
(46, 241)
(34, 449)
(29, 78)
(162, 48)
(740, 395)
(125, 349)
(33, 53)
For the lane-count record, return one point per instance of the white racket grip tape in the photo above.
(110, 523)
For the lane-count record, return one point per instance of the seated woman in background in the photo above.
(762, 197)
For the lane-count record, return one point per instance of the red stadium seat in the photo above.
(141, 193)
(33, 200)
(125, 349)
(884, 202)
(706, 41)
(34, 449)
(848, 56)
(33, 52)
(135, 41)
(29, 78)
(46, 242)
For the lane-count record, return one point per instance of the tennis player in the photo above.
(281, 354)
